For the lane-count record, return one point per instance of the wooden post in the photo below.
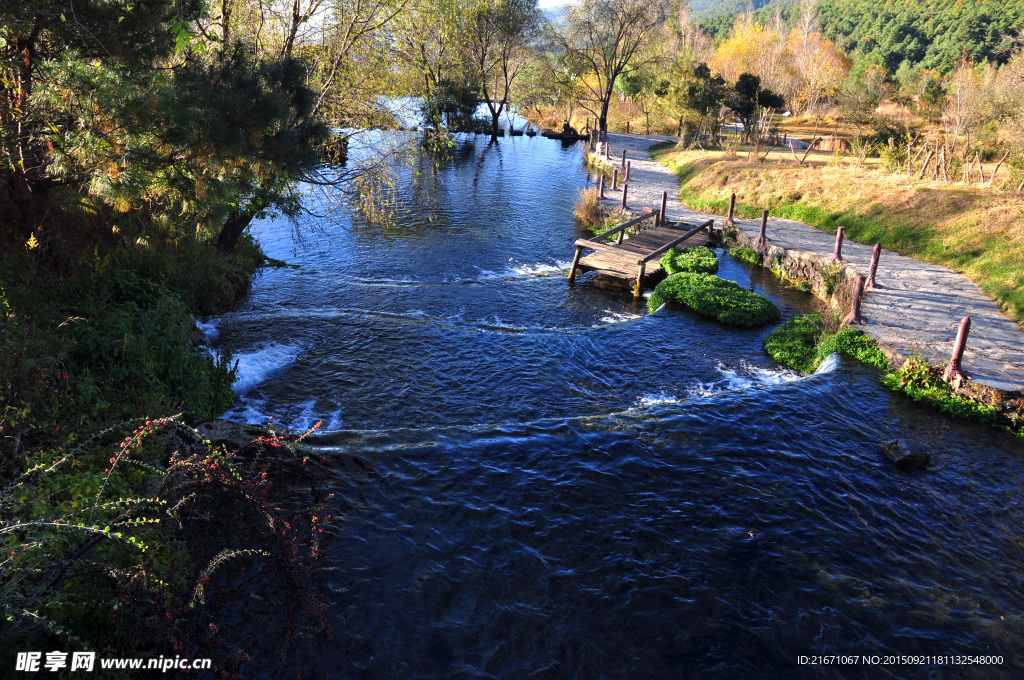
(621, 234)
(607, 150)
(837, 256)
(992, 177)
(638, 289)
(626, 178)
(615, 179)
(954, 371)
(623, 164)
(858, 293)
(661, 213)
(732, 209)
(575, 263)
(622, 206)
(927, 159)
(627, 127)
(875, 254)
(601, 191)
(761, 239)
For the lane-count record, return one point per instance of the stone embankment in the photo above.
(915, 308)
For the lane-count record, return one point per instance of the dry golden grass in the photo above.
(978, 231)
(587, 209)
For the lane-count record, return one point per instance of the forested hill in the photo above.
(930, 33)
(713, 8)
(933, 33)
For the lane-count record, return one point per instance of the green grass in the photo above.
(744, 254)
(718, 298)
(922, 382)
(803, 342)
(699, 259)
(794, 343)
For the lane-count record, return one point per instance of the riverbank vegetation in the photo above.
(138, 142)
(804, 341)
(697, 259)
(712, 296)
(747, 255)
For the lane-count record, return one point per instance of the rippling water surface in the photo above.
(545, 481)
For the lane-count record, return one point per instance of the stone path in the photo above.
(916, 307)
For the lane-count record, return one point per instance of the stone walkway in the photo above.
(916, 307)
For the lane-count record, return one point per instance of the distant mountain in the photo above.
(703, 9)
(556, 13)
(894, 33)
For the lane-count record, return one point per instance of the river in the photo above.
(542, 480)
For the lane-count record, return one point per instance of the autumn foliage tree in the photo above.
(603, 39)
(754, 49)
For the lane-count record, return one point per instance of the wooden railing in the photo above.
(642, 262)
(599, 240)
(600, 243)
(621, 229)
(668, 246)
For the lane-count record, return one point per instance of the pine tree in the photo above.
(122, 102)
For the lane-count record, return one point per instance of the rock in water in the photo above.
(907, 453)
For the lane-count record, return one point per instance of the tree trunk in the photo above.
(36, 210)
(602, 121)
(495, 114)
(236, 223)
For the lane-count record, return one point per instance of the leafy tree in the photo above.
(429, 40)
(641, 85)
(754, 49)
(602, 40)
(817, 68)
(748, 98)
(705, 95)
(452, 103)
(500, 32)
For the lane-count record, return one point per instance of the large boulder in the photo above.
(907, 453)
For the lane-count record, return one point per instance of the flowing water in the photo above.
(542, 480)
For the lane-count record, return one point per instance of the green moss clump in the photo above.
(699, 259)
(718, 298)
(853, 343)
(802, 343)
(794, 343)
(747, 255)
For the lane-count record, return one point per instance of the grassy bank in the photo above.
(977, 231)
(112, 518)
(804, 341)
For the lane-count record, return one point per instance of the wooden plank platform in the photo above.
(623, 260)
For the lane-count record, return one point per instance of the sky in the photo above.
(548, 4)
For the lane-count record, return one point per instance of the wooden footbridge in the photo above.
(635, 257)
